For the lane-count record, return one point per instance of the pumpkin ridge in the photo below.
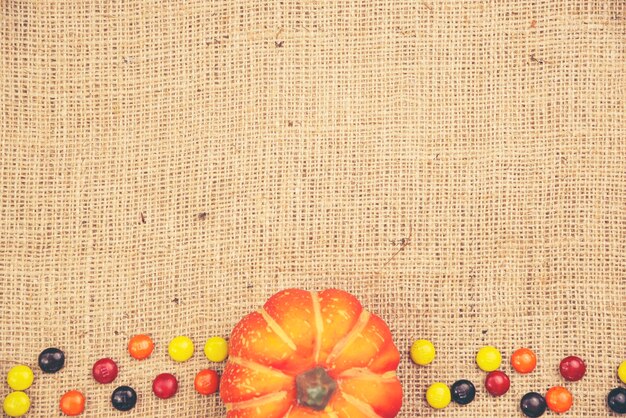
(271, 397)
(365, 373)
(331, 412)
(363, 407)
(319, 325)
(253, 365)
(278, 330)
(356, 330)
(328, 411)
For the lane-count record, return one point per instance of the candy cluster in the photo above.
(105, 371)
(558, 399)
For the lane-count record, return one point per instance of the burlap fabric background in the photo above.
(167, 166)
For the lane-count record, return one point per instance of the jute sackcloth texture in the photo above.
(457, 165)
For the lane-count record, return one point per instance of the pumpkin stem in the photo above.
(315, 388)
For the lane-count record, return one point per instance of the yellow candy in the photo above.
(16, 404)
(181, 348)
(488, 358)
(216, 349)
(20, 377)
(438, 395)
(422, 352)
(621, 371)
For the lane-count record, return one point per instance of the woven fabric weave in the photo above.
(458, 165)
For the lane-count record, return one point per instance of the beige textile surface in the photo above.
(167, 166)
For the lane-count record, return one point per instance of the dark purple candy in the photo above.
(51, 360)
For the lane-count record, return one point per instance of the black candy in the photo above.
(124, 398)
(533, 405)
(617, 400)
(51, 360)
(463, 392)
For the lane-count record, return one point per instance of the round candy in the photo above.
(524, 361)
(617, 400)
(533, 405)
(181, 348)
(621, 371)
(165, 385)
(104, 370)
(206, 382)
(422, 352)
(124, 398)
(463, 392)
(16, 404)
(488, 358)
(72, 403)
(497, 383)
(20, 377)
(572, 368)
(216, 349)
(438, 395)
(140, 346)
(51, 360)
(559, 399)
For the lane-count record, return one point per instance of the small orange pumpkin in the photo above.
(308, 354)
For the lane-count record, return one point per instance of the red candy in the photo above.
(104, 370)
(572, 368)
(497, 383)
(165, 385)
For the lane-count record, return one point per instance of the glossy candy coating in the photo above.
(51, 360)
(216, 349)
(140, 346)
(572, 368)
(124, 398)
(617, 400)
(104, 370)
(463, 392)
(181, 348)
(559, 399)
(16, 404)
(72, 403)
(20, 377)
(206, 382)
(621, 371)
(438, 395)
(533, 405)
(488, 358)
(423, 352)
(497, 383)
(523, 360)
(165, 385)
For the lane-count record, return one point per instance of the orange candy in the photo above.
(206, 382)
(524, 361)
(72, 403)
(140, 346)
(559, 399)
